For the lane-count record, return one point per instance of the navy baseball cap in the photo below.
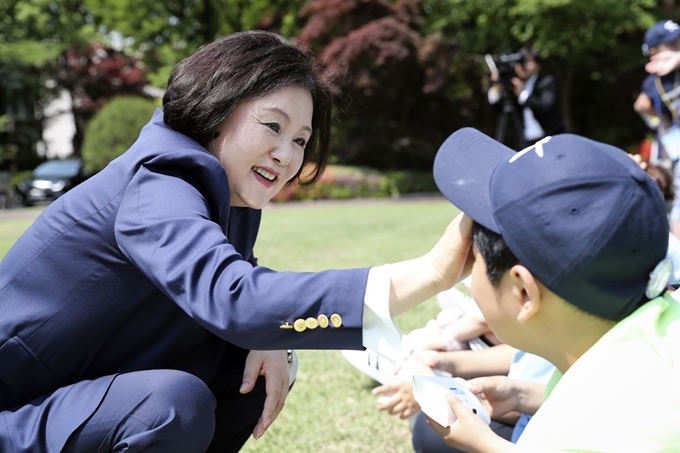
(662, 32)
(581, 215)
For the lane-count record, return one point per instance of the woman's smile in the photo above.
(265, 176)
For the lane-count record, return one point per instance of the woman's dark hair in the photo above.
(205, 88)
(495, 252)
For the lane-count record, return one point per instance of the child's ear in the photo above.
(526, 291)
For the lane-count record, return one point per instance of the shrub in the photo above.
(114, 129)
(413, 182)
(340, 182)
(20, 176)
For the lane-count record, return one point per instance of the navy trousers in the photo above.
(160, 411)
(157, 410)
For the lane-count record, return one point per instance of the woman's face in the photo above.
(262, 143)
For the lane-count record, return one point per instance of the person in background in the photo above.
(135, 316)
(536, 94)
(658, 102)
(664, 179)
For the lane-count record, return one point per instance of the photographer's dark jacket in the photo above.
(543, 102)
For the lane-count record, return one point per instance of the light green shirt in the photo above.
(622, 395)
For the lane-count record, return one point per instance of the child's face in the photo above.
(495, 303)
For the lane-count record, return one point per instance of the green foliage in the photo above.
(556, 27)
(600, 23)
(414, 66)
(114, 129)
(22, 94)
(166, 32)
(20, 176)
(53, 22)
(30, 53)
(33, 35)
(406, 182)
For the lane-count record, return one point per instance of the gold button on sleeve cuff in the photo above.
(300, 325)
(336, 320)
(311, 323)
(323, 321)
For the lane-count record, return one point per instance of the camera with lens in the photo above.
(504, 64)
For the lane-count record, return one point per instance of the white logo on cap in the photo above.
(538, 147)
(671, 26)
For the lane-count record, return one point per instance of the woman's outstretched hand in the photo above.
(450, 258)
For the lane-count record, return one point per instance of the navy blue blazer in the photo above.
(146, 265)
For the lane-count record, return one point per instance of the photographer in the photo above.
(534, 94)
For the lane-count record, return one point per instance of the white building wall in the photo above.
(59, 129)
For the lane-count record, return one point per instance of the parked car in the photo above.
(50, 180)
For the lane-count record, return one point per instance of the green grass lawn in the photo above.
(331, 408)
(12, 223)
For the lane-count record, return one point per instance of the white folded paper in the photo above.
(429, 393)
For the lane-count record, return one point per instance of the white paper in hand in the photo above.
(429, 393)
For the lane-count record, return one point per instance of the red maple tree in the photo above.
(93, 75)
(389, 77)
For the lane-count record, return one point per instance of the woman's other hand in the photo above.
(273, 365)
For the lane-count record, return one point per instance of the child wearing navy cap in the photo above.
(569, 239)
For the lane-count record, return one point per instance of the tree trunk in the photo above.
(210, 21)
(566, 95)
(79, 124)
(669, 6)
